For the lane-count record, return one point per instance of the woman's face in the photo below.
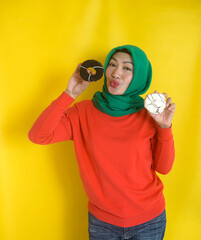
(119, 73)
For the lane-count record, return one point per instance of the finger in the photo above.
(78, 68)
(172, 107)
(168, 102)
(91, 72)
(165, 95)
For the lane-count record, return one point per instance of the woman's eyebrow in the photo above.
(113, 59)
(128, 62)
(123, 62)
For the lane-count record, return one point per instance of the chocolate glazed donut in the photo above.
(95, 67)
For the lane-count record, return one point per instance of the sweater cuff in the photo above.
(164, 134)
(64, 100)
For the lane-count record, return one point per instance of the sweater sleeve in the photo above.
(53, 125)
(163, 150)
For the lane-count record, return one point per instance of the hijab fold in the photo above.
(130, 101)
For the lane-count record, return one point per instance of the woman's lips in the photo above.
(114, 84)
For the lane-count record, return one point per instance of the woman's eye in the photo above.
(112, 64)
(128, 69)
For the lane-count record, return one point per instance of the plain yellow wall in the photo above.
(41, 42)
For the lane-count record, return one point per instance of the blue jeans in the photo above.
(151, 230)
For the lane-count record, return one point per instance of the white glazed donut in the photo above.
(155, 103)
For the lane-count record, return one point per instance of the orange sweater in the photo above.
(117, 156)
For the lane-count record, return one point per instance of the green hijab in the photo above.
(130, 101)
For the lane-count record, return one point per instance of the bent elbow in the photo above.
(37, 140)
(164, 171)
(31, 137)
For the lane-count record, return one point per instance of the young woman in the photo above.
(119, 147)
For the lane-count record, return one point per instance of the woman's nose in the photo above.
(116, 73)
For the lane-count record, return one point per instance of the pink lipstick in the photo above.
(114, 84)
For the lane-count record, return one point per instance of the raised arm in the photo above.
(163, 143)
(54, 124)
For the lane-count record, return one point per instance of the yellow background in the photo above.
(41, 43)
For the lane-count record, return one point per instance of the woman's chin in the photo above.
(114, 91)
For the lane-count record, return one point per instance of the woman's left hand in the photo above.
(164, 119)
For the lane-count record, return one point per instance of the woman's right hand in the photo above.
(76, 84)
